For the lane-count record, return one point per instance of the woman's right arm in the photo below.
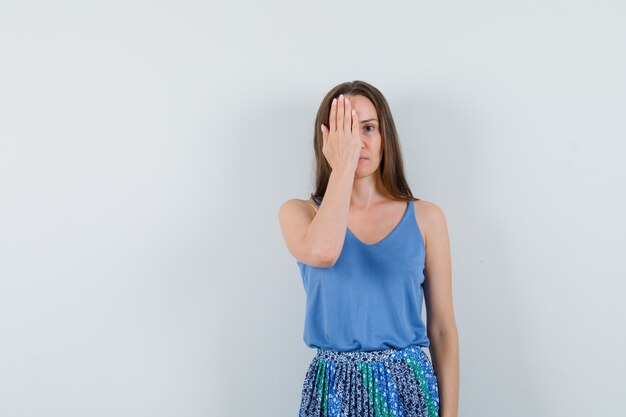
(317, 239)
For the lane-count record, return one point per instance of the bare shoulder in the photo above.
(297, 205)
(430, 218)
(296, 209)
(295, 216)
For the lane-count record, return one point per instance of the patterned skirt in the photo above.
(389, 382)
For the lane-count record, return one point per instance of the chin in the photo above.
(363, 174)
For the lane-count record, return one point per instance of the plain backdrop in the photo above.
(146, 147)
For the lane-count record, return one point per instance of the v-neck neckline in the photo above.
(388, 236)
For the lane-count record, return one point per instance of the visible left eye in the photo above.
(372, 126)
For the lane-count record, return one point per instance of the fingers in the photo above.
(355, 122)
(332, 120)
(340, 118)
(347, 116)
(324, 134)
(340, 115)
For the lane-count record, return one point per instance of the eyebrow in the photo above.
(368, 120)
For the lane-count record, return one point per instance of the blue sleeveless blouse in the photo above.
(371, 299)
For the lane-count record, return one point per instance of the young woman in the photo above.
(368, 253)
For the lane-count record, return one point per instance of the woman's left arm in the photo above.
(441, 324)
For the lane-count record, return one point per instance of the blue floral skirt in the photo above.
(389, 382)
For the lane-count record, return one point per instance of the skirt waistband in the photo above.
(369, 356)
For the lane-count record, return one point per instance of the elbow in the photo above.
(325, 259)
(442, 334)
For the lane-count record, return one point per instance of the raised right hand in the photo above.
(342, 141)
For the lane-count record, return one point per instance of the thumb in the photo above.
(324, 133)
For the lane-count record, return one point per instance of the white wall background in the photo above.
(145, 148)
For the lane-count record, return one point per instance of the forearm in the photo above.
(326, 232)
(444, 352)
